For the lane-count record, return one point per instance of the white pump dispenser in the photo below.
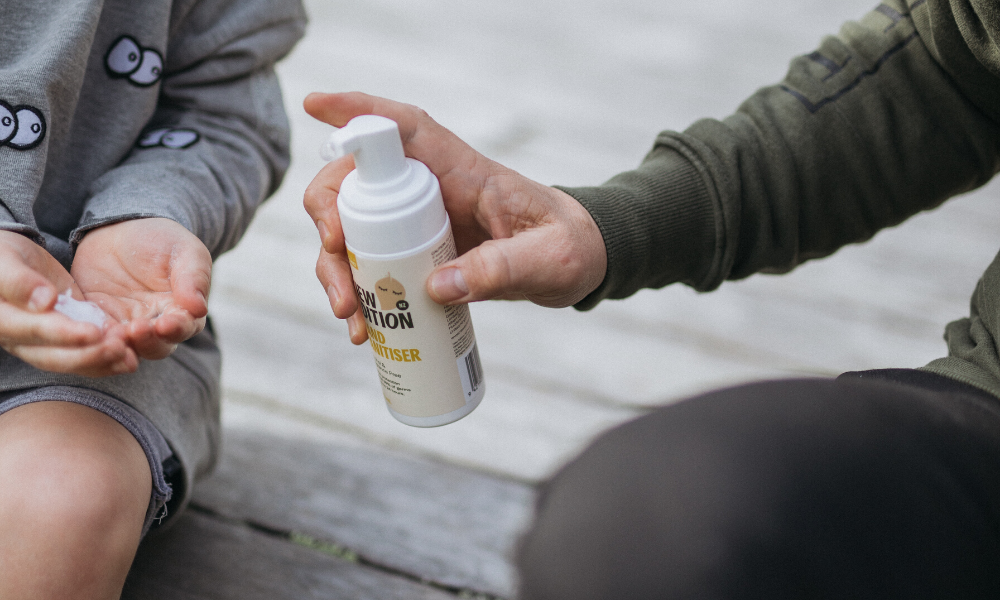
(397, 231)
(377, 149)
(389, 203)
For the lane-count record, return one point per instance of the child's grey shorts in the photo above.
(162, 463)
(176, 399)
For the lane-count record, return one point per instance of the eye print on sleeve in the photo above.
(8, 123)
(151, 139)
(142, 66)
(21, 127)
(149, 69)
(124, 57)
(176, 139)
(179, 139)
(30, 128)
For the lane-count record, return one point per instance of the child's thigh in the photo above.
(75, 489)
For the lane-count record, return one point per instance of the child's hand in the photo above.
(30, 281)
(152, 275)
(517, 239)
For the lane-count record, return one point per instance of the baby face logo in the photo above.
(21, 127)
(386, 307)
(142, 66)
(391, 294)
(178, 139)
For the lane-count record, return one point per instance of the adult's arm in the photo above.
(894, 115)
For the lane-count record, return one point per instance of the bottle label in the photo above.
(425, 353)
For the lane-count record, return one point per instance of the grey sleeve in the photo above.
(218, 143)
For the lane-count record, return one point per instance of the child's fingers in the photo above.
(20, 327)
(158, 338)
(152, 347)
(112, 357)
(175, 326)
(23, 286)
(191, 277)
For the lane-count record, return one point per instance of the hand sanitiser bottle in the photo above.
(397, 231)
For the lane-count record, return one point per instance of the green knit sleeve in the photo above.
(862, 133)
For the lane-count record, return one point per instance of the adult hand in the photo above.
(517, 239)
(152, 275)
(30, 281)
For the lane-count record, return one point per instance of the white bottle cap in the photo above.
(377, 149)
(389, 204)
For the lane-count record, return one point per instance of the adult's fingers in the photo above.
(550, 265)
(320, 201)
(523, 266)
(547, 249)
(334, 272)
(423, 138)
(338, 109)
(357, 329)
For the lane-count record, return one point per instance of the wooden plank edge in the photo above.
(331, 548)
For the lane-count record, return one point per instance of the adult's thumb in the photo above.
(518, 267)
(485, 272)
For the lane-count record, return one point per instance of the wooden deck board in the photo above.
(515, 433)
(436, 522)
(203, 558)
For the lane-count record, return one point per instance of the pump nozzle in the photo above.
(377, 149)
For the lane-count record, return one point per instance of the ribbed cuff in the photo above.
(25, 230)
(658, 225)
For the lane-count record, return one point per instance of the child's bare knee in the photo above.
(69, 469)
(75, 489)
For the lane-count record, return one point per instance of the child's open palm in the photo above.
(151, 275)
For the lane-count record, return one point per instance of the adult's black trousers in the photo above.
(879, 485)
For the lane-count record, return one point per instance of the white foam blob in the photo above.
(30, 128)
(149, 70)
(124, 57)
(180, 138)
(79, 310)
(152, 138)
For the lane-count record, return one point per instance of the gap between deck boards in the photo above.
(340, 552)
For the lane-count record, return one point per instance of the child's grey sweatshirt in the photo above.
(115, 109)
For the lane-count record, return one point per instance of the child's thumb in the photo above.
(22, 286)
